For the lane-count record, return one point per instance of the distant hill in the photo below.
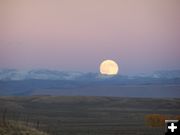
(49, 82)
(13, 74)
(166, 74)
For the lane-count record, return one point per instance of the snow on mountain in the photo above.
(167, 74)
(13, 74)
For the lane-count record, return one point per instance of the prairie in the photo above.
(87, 115)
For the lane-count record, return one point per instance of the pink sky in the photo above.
(140, 35)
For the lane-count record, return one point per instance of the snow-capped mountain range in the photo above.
(50, 82)
(13, 74)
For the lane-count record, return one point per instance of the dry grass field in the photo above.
(80, 115)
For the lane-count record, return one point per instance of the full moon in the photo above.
(109, 67)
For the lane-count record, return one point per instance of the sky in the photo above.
(142, 36)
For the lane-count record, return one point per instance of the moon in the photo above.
(109, 67)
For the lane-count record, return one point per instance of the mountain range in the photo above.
(50, 82)
(42, 74)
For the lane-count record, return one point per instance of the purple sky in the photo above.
(76, 35)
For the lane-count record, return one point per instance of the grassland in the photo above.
(80, 115)
(14, 128)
